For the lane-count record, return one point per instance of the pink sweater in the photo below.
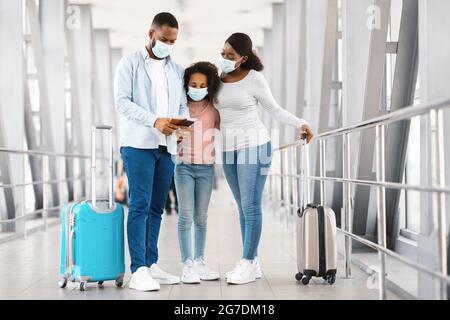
(199, 147)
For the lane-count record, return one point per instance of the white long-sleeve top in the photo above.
(238, 104)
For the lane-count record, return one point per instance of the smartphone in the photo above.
(183, 122)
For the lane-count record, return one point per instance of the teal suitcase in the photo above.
(92, 236)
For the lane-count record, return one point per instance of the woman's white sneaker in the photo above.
(258, 272)
(243, 273)
(189, 275)
(142, 281)
(205, 273)
(229, 273)
(161, 276)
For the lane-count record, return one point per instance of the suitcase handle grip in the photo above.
(304, 172)
(96, 128)
(103, 127)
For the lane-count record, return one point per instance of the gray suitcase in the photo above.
(316, 235)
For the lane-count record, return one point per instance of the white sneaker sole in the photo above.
(143, 288)
(210, 278)
(258, 276)
(242, 281)
(167, 282)
(190, 281)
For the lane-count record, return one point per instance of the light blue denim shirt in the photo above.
(137, 106)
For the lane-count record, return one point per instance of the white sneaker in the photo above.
(142, 281)
(258, 272)
(243, 273)
(205, 273)
(190, 276)
(229, 273)
(161, 276)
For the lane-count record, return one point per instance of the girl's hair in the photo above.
(243, 45)
(211, 73)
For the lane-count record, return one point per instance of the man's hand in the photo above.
(164, 126)
(306, 133)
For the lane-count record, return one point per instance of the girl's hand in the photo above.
(183, 133)
(306, 133)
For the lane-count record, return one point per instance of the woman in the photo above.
(194, 174)
(247, 149)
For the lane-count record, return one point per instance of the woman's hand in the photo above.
(306, 133)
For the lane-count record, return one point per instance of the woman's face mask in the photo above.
(162, 50)
(227, 66)
(197, 94)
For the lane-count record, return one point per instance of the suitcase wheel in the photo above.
(83, 285)
(305, 280)
(298, 276)
(331, 279)
(119, 283)
(100, 283)
(62, 283)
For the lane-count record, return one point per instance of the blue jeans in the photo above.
(150, 173)
(194, 184)
(246, 172)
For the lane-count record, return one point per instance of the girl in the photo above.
(246, 143)
(194, 172)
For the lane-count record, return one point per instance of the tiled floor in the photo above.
(29, 267)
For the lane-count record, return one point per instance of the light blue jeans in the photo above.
(194, 184)
(246, 171)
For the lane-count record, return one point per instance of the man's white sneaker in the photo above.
(161, 276)
(243, 273)
(205, 273)
(258, 272)
(189, 275)
(142, 281)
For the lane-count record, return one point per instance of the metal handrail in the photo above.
(403, 114)
(45, 182)
(391, 253)
(371, 183)
(48, 153)
(440, 190)
(30, 214)
(35, 183)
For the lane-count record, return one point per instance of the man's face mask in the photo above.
(162, 50)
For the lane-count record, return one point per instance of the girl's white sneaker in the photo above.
(204, 272)
(190, 276)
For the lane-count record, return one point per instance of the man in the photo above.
(148, 92)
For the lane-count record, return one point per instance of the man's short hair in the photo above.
(165, 19)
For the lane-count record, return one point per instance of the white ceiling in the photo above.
(204, 24)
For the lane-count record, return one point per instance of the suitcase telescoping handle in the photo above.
(304, 173)
(109, 129)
